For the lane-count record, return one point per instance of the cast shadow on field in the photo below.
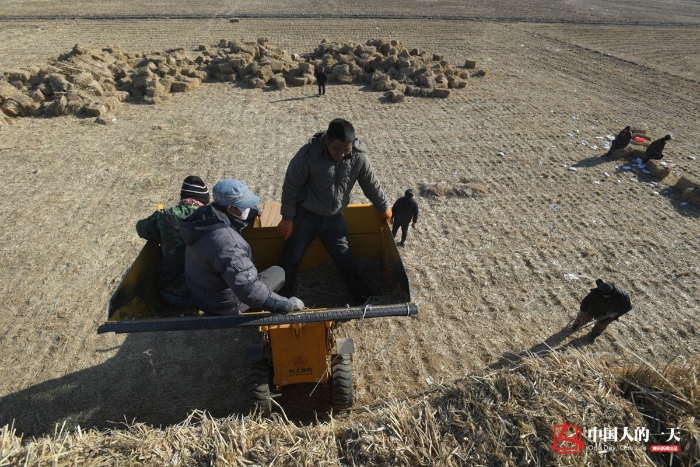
(157, 379)
(675, 200)
(291, 99)
(593, 161)
(542, 349)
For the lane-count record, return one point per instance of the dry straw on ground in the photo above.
(501, 417)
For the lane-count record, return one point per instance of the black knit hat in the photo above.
(194, 187)
(604, 287)
(409, 193)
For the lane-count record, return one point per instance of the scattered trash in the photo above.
(599, 137)
(618, 181)
(554, 147)
(573, 117)
(429, 380)
(655, 192)
(501, 153)
(684, 203)
(692, 158)
(665, 192)
(646, 171)
(638, 139)
(554, 207)
(626, 167)
(569, 134)
(592, 127)
(638, 161)
(114, 119)
(577, 131)
(594, 147)
(563, 165)
(573, 277)
(606, 145)
(573, 169)
(597, 182)
(606, 174)
(585, 143)
(610, 137)
(664, 163)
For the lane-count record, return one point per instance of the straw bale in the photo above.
(37, 95)
(470, 64)
(441, 93)
(296, 80)
(481, 73)
(20, 105)
(684, 182)
(58, 82)
(657, 170)
(690, 197)
(279, 82)
(180, 86)
(255, 82)
(395, 95)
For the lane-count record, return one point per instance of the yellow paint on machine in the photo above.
(298, 357)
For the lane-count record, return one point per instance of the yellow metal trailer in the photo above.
(295, 348)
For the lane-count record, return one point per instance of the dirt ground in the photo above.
(489, 274)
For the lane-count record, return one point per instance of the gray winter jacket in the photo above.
(321, 185)
(219, 267)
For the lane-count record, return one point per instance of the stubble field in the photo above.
(487, 273)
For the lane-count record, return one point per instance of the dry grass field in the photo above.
(489, 273)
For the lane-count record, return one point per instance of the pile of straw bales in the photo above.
(93, 82)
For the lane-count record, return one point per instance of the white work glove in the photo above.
(297, 305)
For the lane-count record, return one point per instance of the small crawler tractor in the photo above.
(295, 348)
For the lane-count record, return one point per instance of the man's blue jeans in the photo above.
(333, 233)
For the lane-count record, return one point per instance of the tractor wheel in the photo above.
(259, 386)
(341, 382)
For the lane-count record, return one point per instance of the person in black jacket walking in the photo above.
(321, 80)
(605, 304)
(405, 209)
(656, 149)
(622, 140)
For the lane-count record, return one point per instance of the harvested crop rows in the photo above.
(487, 266)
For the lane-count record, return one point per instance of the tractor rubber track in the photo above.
(191, 323)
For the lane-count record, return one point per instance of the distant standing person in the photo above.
(163, 226)
(321, 80)
(605, 303)
(656, 149)
(622, 140)
(405, 210)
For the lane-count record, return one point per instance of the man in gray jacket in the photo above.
(316, 190)
(219, 265)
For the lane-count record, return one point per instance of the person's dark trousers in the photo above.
(273, 278)
(321, 89)
(333, 233)
(404, 230)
